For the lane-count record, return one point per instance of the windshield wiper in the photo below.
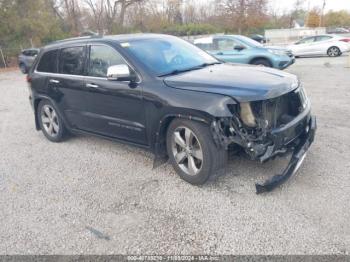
(178, 71)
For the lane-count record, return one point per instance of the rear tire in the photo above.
(333, 51)
(23, 68)
(197, 158)
(50, 122)
(261, 62)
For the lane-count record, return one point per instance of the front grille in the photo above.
(281, 110)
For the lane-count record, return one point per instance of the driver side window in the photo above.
(102, 57)
(225, 44)
(307, 40)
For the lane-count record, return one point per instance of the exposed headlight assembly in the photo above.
(247, 115)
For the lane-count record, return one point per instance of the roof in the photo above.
(117, 38)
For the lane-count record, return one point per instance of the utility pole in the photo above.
(322, 13)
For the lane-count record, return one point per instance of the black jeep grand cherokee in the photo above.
(164, 94)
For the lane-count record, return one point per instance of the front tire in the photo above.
(192, 151)
(333, 51)
(50, 122)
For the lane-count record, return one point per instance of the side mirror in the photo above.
(119, 73)
(239, 47)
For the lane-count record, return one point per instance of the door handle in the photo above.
(92, 86)
(219, 53)
(96, 87)
(54, 81)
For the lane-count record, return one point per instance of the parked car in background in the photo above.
(339, 30)
(331, 45)
(26, 59)
(241, 49)
(259, 38)
(164, 94)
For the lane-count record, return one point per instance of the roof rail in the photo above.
(76, 38)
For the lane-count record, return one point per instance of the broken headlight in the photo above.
(247, 115)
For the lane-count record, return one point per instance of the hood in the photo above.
(243, 83)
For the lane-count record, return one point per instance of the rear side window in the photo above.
(48, 62)
(29, 52)
(71, 61)
(323, 38)
(102, 57)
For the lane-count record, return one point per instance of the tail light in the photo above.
(347, 40)
(29, 79)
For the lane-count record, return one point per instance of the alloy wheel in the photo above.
(334, 51)
(187, 150)
(49, 120)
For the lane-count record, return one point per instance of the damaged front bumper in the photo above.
(299, 153)
(296, 136)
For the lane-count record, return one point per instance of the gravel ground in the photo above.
(92, 196)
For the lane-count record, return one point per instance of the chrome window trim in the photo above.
(87, 76)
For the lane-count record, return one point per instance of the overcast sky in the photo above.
(283, 5)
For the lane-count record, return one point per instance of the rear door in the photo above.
(114, 108)
(68, 84)
(322, 43)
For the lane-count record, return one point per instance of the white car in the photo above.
(331, 45)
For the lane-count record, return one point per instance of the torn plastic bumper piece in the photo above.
(297, 158)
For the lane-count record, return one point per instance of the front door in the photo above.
(305, 46)
(224, 49)
(114, 108)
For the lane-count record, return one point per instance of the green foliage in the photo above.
(36, 22)
(28, 22)
(339, 18)
(190, 29)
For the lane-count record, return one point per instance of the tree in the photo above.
(97, 10)
(173, 11)
(243, 14)
(29, 22)
(297, 12)
(313, 18)
(337, 18)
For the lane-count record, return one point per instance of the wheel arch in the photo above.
(198, 115)
(332, 46)
(36, 103)
(262, 58)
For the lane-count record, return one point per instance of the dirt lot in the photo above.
(88, 195)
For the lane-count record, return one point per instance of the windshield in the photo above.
(249, 41)
(164, 56)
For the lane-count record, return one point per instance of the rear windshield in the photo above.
(31, 52)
